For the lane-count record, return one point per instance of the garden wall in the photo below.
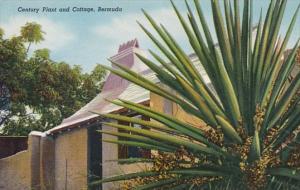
(15, 171)
(50, 163)
(30, 169)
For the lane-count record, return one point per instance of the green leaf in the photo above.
(229, 130)
(131, 160)
(198, 100)
(263, 49)
(177, 52)
(125, 177)
(270, 79)
(137, 144)
(169, 139)
(274, 30)
(151, 124)
(222, 37)
(285, 172)
(255, 151)
(159, 183)
(282, 76)
(139, 138)
(285, 101)
(166, 119)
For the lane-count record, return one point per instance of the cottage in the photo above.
(71, 155)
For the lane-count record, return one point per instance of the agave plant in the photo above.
(251, 116)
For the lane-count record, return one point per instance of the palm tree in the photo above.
(252, 113)
(32, 33)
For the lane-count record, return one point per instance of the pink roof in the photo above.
(114, 87)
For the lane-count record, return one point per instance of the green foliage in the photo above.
(32, 33)
(252, 115)
(1, 32)
(42, 91)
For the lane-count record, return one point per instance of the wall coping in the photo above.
(37, 133)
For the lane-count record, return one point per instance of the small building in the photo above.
(71, 155)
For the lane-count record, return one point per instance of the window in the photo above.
(130, 151)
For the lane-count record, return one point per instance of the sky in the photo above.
(85, 39)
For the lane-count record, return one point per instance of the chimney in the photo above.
(126, 57)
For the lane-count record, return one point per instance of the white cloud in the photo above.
(56, 37)
(124, 28)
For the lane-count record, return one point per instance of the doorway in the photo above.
(94, 155)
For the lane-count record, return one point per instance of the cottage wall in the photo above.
(71, 160)
(158, 103)
(179, 113)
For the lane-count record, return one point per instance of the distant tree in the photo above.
(40, 91)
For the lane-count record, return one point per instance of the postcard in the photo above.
(157, 94)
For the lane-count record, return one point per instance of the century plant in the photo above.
(249, 135)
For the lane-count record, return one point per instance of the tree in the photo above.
(251, 117)
(41, 91)
(1, 32)
(4, 102)
(32, 33)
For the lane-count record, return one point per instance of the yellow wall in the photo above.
(71, 160)
(179, 113)
(157, 103)
(15, 172)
